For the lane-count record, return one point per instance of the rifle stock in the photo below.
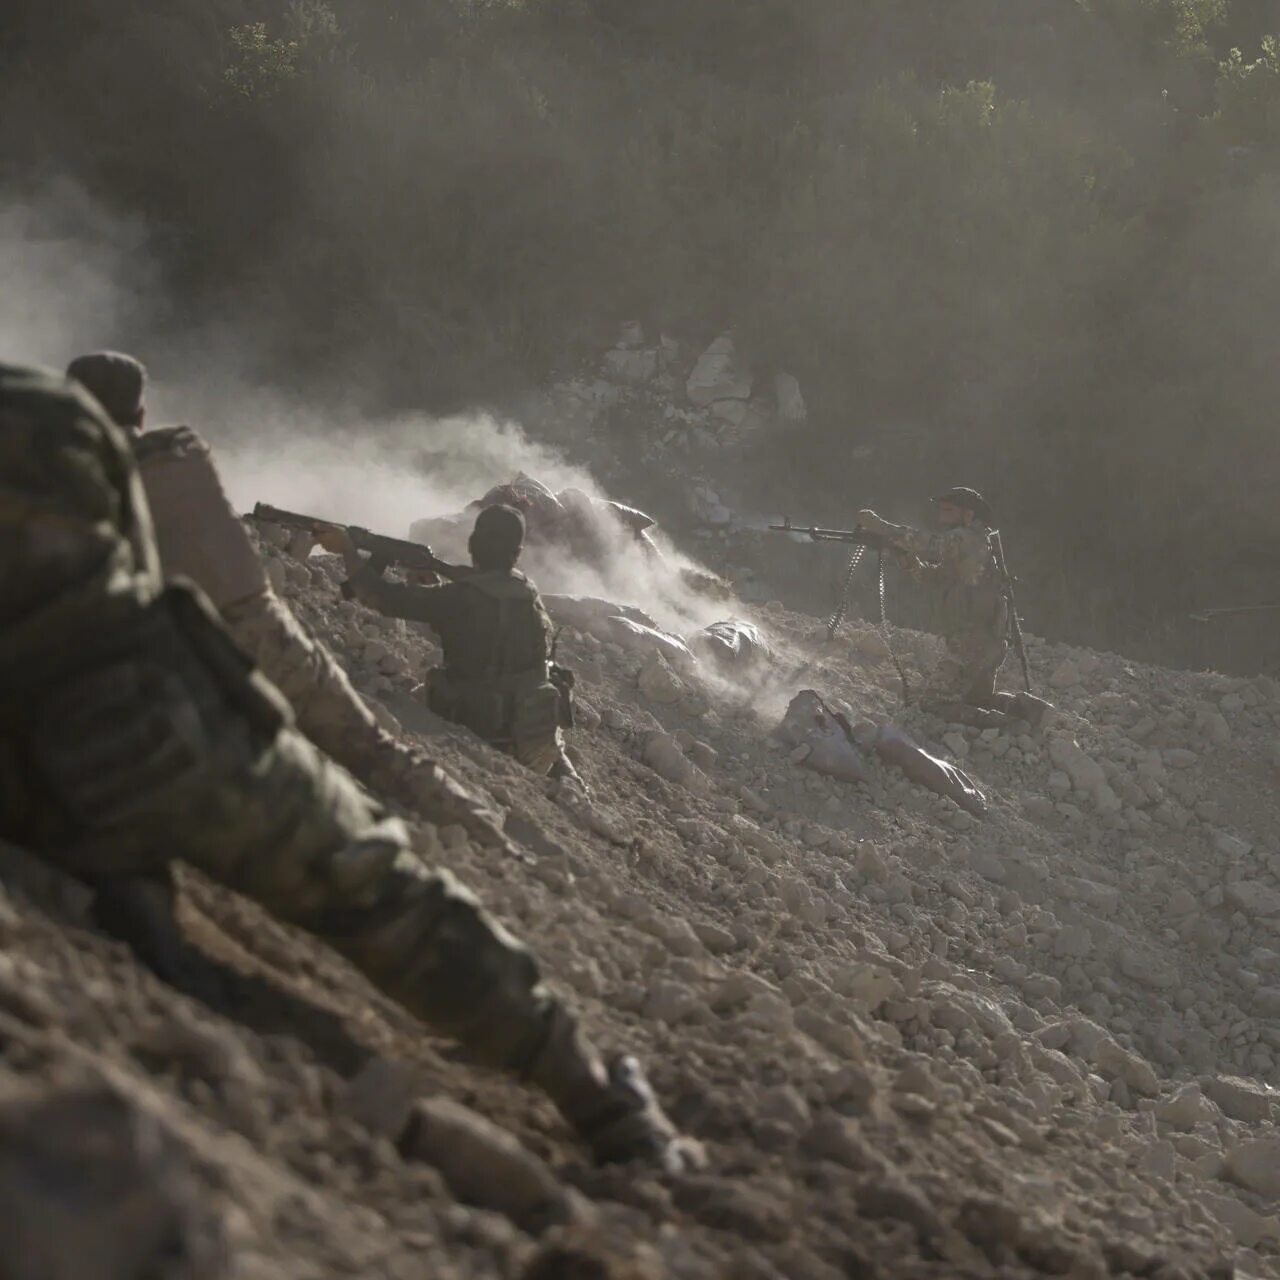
(383, 550)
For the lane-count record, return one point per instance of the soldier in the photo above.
(497, 678)
(958, 561)
(135, 732)
(201, 538)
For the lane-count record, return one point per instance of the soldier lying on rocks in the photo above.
(957, 560)
(200, 538)
(833, 741)
(497, 676)
(136, 732)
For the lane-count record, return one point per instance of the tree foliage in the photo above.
(1032, 246)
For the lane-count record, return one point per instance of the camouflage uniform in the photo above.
(135, 732)
(200, 538)
(496, 677)
(958, 563)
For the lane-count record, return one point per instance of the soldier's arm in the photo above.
(914, 566)
(399, 599)
(929, 550)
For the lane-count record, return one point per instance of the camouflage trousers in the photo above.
(152, 752)
(333, 715)
(962, 687)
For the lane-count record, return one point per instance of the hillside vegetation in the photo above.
(1032, 246)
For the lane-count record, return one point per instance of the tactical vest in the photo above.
(975, 608)
(112, 689)
(198, 533)
(508, 696)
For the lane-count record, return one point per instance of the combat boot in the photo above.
(611, 1106)
(563, 772)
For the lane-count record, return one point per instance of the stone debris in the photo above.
(95, 1187)
(484, 1164)
(914, 1043)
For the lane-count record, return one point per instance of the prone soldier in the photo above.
(135, 732)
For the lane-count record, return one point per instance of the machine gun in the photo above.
(1208, 615)
(1015, 623)
(861, 540)
(857, 537)
(383, 551)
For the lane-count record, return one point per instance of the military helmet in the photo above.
(968, 500)
(116, 381)
(500, 525)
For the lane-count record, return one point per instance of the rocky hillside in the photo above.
(915, 1042)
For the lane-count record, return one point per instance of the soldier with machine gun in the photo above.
(963, 560)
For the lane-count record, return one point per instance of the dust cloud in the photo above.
(77, 280)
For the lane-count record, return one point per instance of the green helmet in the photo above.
(968, 500)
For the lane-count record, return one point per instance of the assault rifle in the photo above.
(1015, 623)
(857, 537)
(383, 551)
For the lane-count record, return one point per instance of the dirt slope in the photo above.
(915, 1043)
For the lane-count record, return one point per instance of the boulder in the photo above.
(1065, 675)
(1147, 969)
(637, 638)
(1185, 1109)
(790, 401)
(1085, 773)
(1255, 1164)
(484, 1164)
(1242, 1099)
(1253, 897)
(631, 365)
(1247, 1227)
(719, 375)
(659, 683)
(96, 1187)
(663, 755)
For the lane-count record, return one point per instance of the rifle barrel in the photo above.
(858, 536)
(1208, 615)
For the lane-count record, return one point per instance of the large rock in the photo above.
(790, 401)
(95, 1187)
(637, 638)
(1085, 773)
(1100, 1048)
(1242, 1099)
(484, 1164)
(719, 375)
(663, 755)
(659, 683)
(1256, 1164)
(631, 365)
(1248, 1228)
(1147, 969)
(1185, 1109)
(1253, 897)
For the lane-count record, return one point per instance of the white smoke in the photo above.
(75, 279)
